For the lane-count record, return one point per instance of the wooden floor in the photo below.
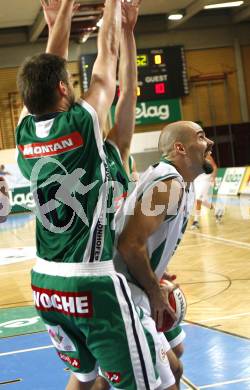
(212, 265)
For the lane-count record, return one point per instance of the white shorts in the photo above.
(203, 187)
(161, 344)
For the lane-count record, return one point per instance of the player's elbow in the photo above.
(128, 248)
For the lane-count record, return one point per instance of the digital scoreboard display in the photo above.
(161, 73)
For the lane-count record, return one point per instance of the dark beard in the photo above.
(207, 167)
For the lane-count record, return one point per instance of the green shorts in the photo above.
(90, 317)
(175, 336)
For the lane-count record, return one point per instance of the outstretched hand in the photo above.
(50, 10)
(130, 10)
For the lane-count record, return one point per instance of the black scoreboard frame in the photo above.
(162, 73)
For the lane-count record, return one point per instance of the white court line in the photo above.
(226, 317)
(26, 350)
(183, 246)
(240, 244)
(187, 382)
(224, 383)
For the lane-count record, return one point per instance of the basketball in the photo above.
(177, 301)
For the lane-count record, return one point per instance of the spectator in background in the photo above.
(203, 186)
(3, 171)
(4, 199)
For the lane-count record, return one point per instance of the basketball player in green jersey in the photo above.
(85, 304)
(118, 140)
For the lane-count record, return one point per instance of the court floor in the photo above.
(213, 268)
(212, 359)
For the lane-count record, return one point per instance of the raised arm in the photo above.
(122, 132)
(58, 40)
(50, 11)
(132, 244)
(59, 28)
(103, 81)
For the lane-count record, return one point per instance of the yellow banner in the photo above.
(245, 185)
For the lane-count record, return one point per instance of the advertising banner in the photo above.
(155, 111)
(218, 180)
(19, 188)
(231, 181)
(245, 186)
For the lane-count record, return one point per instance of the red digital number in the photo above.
(160, 88)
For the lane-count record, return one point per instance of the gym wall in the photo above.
(209, 102)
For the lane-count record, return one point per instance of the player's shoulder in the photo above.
(82, 106)
(24, 125)
(161, 171)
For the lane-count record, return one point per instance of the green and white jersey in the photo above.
(123, 186)
(62, 155)
(163, 242)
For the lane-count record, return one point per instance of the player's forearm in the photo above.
(58, 40)
(103, 81)
(128, 68)
(138, 263)
(125, 109)
(110, 34)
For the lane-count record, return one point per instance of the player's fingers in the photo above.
(170, 310)
(43, 3)
(136, 3)
(160, 319)
(76, 7)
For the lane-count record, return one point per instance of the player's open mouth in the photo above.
(207, 153)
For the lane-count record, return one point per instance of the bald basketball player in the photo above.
(156, 215)
(184, 148)
(153, 220)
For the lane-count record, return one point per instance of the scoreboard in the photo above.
(161, 73)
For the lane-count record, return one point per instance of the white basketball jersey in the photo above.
(163, 242)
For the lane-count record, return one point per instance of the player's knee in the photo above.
(100, 384)
(178, 350)
(178, 371)
(176, 366)
(75, 384)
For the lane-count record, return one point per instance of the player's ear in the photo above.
(179, 148)
(63, 89)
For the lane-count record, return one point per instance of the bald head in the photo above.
(176, 132)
